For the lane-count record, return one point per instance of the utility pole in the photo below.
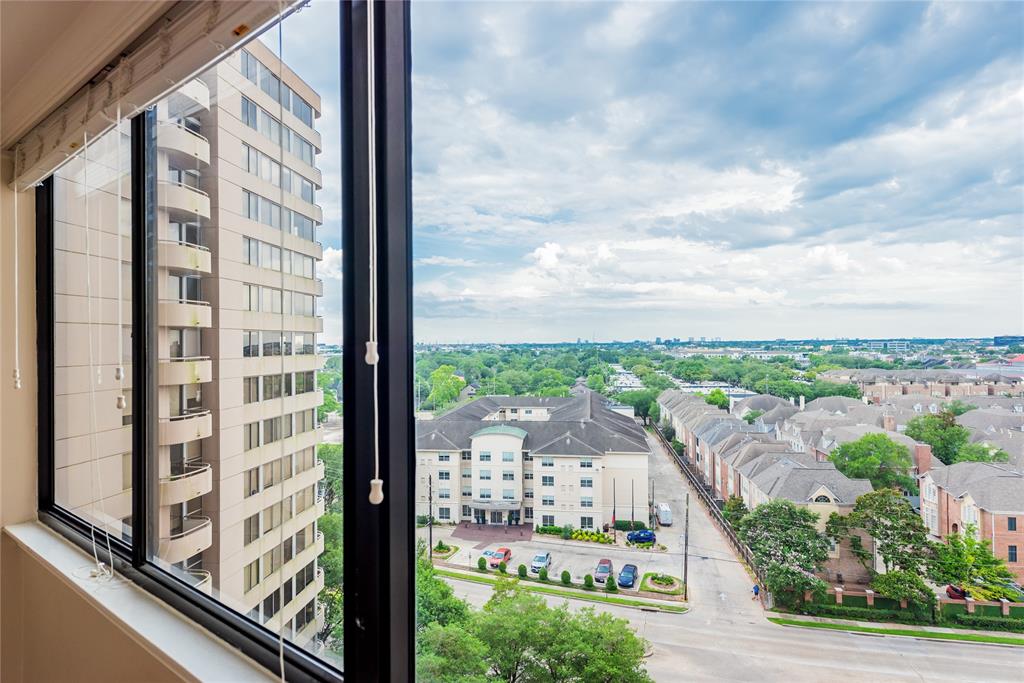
(686, 550)
(650, 506)
(430, 515)
(614, 535)
(632, 507)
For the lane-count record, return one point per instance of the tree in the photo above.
(330, 405)
(450, 654)
(332, 633)
(787, 548)
(718, 398)
(654, 412)
(735, 510)
(904, 585)
(958, 407)
(596, 383)
(941, 432)
(333, 559)
(640, 400)
(877, 458)
(976, 452)
(900, 535)
(435, 601)
(445, 386)
(752, 415)
(967, 562)
(331, 455)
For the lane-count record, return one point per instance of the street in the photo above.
(725, 635)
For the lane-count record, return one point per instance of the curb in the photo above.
(896, 635)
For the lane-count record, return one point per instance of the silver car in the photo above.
(540, 561)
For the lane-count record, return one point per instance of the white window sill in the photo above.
(181, 645)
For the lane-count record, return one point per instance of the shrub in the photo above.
(543, 573)
(567, 531)
(669, 432)
(626, 525)
(442, 547)
(588, 581)
(905, 616)
(610, 585)
(989, 623)
(521, 571)
(481, 563)
(550, 530)
(502, 566)
(662, 580)
(566, 578)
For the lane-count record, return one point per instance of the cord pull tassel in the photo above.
(17, 379)
(376, 491)
(371, 353)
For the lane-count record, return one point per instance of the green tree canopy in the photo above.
(445, 386)
(941, 432)
(752, 415)
(787, 547)
(976, 452)
(877, 458)
(967, 562)
(900, 535)
(735, 510)
(717, 397)
(450, 654)
(958, 407)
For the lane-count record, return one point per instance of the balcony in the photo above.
(184, 428)
(185, 313)
(182, 202)
(196, 535)
(194, 370)
(183, 146)
(201, 579)
(190, 98)
(185, 256)
(196, 480)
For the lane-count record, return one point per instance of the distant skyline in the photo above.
(735, 170)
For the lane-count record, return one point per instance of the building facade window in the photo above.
(547, 520)
(547, 501)
(508, 494)
(508, 456)
(547, 480)
(1011, 523)
(444, 457)
(485, 475)
(444, 514)
(508, 476)
(586, 463)
(586, 483)
(485, 456)
(586, 502)
(547, 461)
(444, 475)
(586, 522)
(485, 494)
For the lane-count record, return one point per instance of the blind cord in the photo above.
(372, 358)
(16, 375)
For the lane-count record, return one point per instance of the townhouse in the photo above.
(879, 385)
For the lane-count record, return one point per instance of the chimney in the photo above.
(923, 458)
(801, 403)
(889, 423)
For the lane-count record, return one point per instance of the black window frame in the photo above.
(379, 616)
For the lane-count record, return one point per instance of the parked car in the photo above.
(498, 556)
(1016, 589)
(641, 536)
(664, 513)
(540, 561)
(627, 577)
(956, 592)
(604, 568)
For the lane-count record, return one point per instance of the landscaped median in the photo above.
(908, 632)
(661, 583)
(535, 586)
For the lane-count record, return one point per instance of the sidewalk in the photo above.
(887, 625)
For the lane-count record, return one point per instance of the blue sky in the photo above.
(631, 170)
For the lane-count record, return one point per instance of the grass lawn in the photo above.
(590, 596)
(647, 585)
(970, 637)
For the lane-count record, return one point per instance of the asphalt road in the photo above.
(725, 636)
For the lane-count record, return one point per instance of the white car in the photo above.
(540, 561)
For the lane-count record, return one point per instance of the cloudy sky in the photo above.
(620, 171)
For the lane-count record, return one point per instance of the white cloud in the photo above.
(449, 261)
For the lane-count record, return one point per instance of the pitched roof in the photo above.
(994, 487)
(581, 425)
(798, 481)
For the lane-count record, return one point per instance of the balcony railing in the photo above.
(184, 256)
(182, 201)
(189, 426)
(188, 370)
(183, 146)
(195, 536)
(202, 579)
(185, 313)
(196, 480)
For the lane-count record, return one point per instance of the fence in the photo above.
(713, 510)
(946, 608)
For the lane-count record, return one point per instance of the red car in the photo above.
(500, 555)
(604, 568)
(956, 593)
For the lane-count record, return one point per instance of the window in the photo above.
(1011, 523)
(528, 513)
(444, 457)
(508, 456)
(485, 475)
(527, 457)
(586, 463)
(467, 511)
(251, 434)
(485, 456)
(528, 476)
(508, 494)
(252, 575)
(271, 387)
(547, 480)
(485, 494)
(250, 390)
(547, 461)
(508, 475)
(251, 481)
(467, 474)
(467, 456)
(586, 502)
(547, 520)
(444, 493)
(586, 522)
(822, 499)
(1011, 554)
(527, 493)
(252, 528)
(444, 514)
(250, 344)
(467, 490)
(586, 482)
(547, 501)
(444, 475)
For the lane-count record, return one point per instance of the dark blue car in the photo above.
(627, 577)
(642, 536)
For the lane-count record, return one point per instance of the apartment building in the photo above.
(879, 385)
(532, 460)
(987, 497)
(235, 152)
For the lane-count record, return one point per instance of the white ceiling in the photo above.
(48, 50)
